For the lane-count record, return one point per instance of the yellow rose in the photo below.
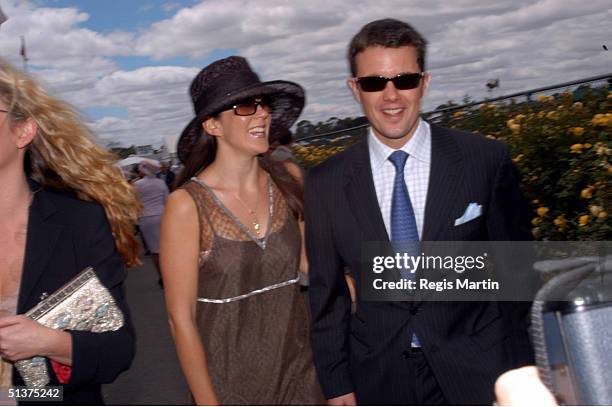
(588, 145)
(587, 193)
(577, 131)
(542, 98)
(601, 119)
(552, 115)
(602, 215)
(542, 211)
(536, 221)
(577, 106)
(560, 221)
(576, 148)
(595, 210)
(518, 158)
(583, 220)
(515, 128)
(519, 117)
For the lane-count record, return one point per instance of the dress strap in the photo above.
(201, 206)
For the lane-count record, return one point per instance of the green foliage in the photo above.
(562, 148)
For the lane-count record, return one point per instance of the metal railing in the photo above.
(437, 116)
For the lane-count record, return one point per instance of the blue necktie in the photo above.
(403, 222)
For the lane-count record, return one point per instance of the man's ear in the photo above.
(25, 133)
(212, 126)
(354, 87)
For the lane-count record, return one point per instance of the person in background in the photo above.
(231, 246)
(166, 174)
(153, 194)
(282, 151)
(64, 206)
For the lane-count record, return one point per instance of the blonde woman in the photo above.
(64, 206)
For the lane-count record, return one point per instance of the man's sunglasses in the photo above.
(249, 107)
(403, 81)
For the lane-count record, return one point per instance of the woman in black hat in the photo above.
(231, 245)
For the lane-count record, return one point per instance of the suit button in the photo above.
(405, 354)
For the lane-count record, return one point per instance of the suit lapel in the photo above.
(361, 195)
(40, 243)
(445, 182)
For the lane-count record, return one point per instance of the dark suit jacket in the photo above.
(65, 235)
(467, 344)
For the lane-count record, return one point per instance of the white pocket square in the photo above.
(472, 211)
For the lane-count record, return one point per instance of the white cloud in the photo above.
(524, 43)
(170, 6)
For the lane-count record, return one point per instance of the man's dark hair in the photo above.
(388, 33)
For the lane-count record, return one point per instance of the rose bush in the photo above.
(562, 148)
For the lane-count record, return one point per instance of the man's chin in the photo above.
(393, 134)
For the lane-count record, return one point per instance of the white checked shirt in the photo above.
(416, 173)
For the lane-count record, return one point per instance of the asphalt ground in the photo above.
(155, 377)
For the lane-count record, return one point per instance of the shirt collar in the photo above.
(418, 147)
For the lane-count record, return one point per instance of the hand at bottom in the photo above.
(344, 400)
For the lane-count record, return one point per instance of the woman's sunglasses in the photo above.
(249, 107)
(403, 81)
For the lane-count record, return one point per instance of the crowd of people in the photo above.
(243, 221)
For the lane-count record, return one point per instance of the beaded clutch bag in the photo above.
(82, 304)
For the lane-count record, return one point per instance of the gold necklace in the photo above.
(255, 222)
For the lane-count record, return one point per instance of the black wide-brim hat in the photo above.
(231, 80)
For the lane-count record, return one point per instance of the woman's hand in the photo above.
(23, 338)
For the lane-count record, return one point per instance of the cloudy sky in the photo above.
(127, 66)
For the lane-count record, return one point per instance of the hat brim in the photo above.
(287, 100)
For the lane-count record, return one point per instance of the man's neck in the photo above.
(397, 143)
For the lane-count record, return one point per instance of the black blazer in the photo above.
(467, 344)
(64, 236)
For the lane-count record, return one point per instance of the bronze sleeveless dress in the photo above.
(252, 318)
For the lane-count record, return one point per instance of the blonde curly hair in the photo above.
(64, 156)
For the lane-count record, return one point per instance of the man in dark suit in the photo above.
(409, 181)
